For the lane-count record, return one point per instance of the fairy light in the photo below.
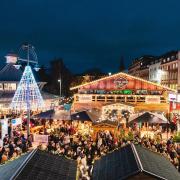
(123, 74)
(27, 91)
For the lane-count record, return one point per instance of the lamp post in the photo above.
(59, 80)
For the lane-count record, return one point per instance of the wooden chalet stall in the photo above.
(122, 88)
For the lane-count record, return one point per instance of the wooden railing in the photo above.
(132, 99)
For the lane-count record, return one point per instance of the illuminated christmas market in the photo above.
(89, 91)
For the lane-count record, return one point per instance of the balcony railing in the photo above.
(131, 99)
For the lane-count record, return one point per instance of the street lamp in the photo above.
(59, 80)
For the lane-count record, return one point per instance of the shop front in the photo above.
(124, 89)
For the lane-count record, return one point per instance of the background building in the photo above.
(163, 69)
(9, 79)
(124, 89)
(140, 67)
(155, 72)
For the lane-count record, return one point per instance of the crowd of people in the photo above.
(168, 148)
(85, 148)
(14, 146)
(66, 140)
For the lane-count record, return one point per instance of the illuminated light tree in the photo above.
(27, 95)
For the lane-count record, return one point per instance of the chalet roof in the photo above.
(81, 116)
(52, 114)
(9, 169)
(126, 75)
(42, 165)
(151, 118)
(131, 160)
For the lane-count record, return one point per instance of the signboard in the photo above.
(152, 100)
(16, 122)
(4, 127)
(85, 98)
(40, 138)
(67, 107)
(172, 97)
(13, 121)
(120, 82)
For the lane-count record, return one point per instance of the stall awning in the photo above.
(52, 114)
(81, 116)
(45, 115)
(149, 117)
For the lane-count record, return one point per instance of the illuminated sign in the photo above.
(120, 82)
(172, 97)
(17, 121)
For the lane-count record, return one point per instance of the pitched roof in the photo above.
(156, 164)
(43, 165)
(152, 118)
(7, 170)
(131, 160)
(45, 115)
(123, 74)
(119, 164)
(81, 116)
(10, 73)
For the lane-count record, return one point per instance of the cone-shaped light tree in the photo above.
(27, 95)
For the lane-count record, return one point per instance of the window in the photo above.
(174, 66)
(9, 86)
(1, 87)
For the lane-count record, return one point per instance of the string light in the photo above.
(27, 91)
(123, 74)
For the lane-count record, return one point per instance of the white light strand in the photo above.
(19, 101)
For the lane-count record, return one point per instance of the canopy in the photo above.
(45, 115)
(52, 114)
(148, 117)
(81, 116)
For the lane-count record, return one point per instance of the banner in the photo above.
(16, 122)
(174, 106)
(40, 138)
(85, 98)
(152, 99)
(4, 127)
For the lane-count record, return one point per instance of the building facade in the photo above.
(140, 67)
(164, 69)
(124, 89)
(10, 76)
(155, 72)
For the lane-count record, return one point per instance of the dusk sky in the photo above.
(90, 33)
